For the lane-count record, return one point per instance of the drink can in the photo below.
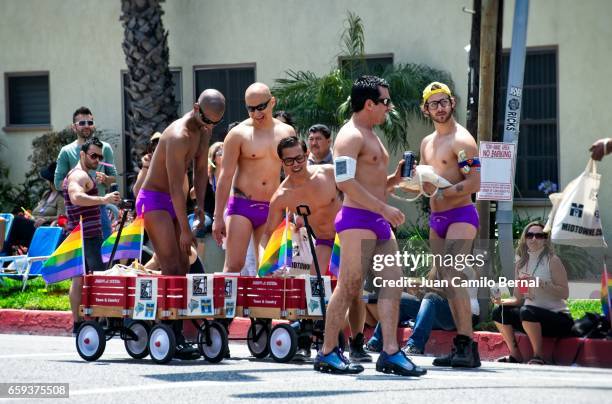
(408, 163)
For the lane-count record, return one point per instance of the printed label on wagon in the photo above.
(200, 295)
(145, 302)
(314, 293)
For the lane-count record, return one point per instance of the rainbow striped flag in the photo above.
(606, 293)
(67, 260)
(279, 250)
(334, 260)
(130, 242)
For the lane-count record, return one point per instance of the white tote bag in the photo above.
(574, 219)
(302, 256)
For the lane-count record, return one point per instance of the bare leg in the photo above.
(160, 227)
(182, 258)
(388, 299)
(356, 316)
(257, 235)
(534, 332)
(507, 333)
(323, 256)
(76, 287)
(239, 231)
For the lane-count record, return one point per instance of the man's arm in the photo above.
(231, 153)
(471, 182)
(77, 191)
(62, 168)
(176, 150)
(110, 171)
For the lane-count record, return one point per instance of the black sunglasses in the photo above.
(85, 123)
(259, 107)
(289, 161)
(539, 236)
(206, 120)
(384, 101)
(96, 156)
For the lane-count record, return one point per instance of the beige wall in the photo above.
(79, 43)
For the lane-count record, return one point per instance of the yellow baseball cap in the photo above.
(435, 88)
(156, 136)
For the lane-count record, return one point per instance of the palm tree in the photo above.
(326, 99)
(149, 85)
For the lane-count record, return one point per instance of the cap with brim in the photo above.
(435, 88)
(155, 136)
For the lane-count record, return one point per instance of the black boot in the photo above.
(465, 353)
(184, 351)
(357, 352)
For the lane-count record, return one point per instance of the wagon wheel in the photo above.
(162, 343)
(257, 339)
(212, 342)
(90, 341)
(283, 342)
(138, 347)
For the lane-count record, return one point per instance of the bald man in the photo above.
(250, 173)
(162, 198)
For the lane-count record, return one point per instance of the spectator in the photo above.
(284, 117)
(84, 127)
(319, 144)
(46, 213)
(82, 204)
(601, 148)
(537, 310)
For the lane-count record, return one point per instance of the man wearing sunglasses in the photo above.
(83, 202)
(250, 172)
(453, 153)
(84, 126)
(363, 225)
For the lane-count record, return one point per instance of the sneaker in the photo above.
(186, 352)
(75, 327)
(356, 351)
(335, 362)
(466, 353)
(412, 350)
(302, 354)
(399, 364)
(373, 346)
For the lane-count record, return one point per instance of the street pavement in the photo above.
(116, 377)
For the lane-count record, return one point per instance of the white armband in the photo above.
(344, 168)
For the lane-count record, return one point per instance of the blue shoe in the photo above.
(399, 364)
(335, 362)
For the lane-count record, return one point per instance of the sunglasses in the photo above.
(433, 105)
(259, 107)
(85, 123)
(539, 236)
(289, 161)
(384, 101)
(95, 156)
(208, 121)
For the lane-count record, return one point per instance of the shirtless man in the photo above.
(363, 226)
(251, 170)
(162, 196)
(453, 153)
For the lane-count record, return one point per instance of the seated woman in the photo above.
(46, 213)
(538, 311)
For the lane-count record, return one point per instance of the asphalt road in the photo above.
(115, 377)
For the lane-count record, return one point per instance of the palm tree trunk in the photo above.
(152, 106)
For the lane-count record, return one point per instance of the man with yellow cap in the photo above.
(453, 153)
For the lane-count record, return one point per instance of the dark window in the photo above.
(370, 64)
(27, 99)
(232, 82)
(537, 158)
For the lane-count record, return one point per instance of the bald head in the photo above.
(212, 101)
(257, 92)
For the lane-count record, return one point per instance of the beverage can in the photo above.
(408, 163)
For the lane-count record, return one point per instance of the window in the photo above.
(538, 146)
(232, 81)
(372, 64)
(27, 100)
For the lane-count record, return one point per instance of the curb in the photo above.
(588, 352)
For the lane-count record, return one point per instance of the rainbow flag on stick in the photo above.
(130, 242)
(279, 250)
(68, 259)
(334, 260)
(606, 293)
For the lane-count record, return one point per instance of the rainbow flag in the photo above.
(67, 260)
(606, 293)
(130, 242)
(334, 260)
(279, 250)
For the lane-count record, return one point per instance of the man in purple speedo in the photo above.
(363, 226)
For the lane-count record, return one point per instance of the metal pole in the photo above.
(512, 119)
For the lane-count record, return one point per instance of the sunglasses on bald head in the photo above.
(259, 107)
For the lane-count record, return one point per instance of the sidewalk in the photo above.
(591, 353)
